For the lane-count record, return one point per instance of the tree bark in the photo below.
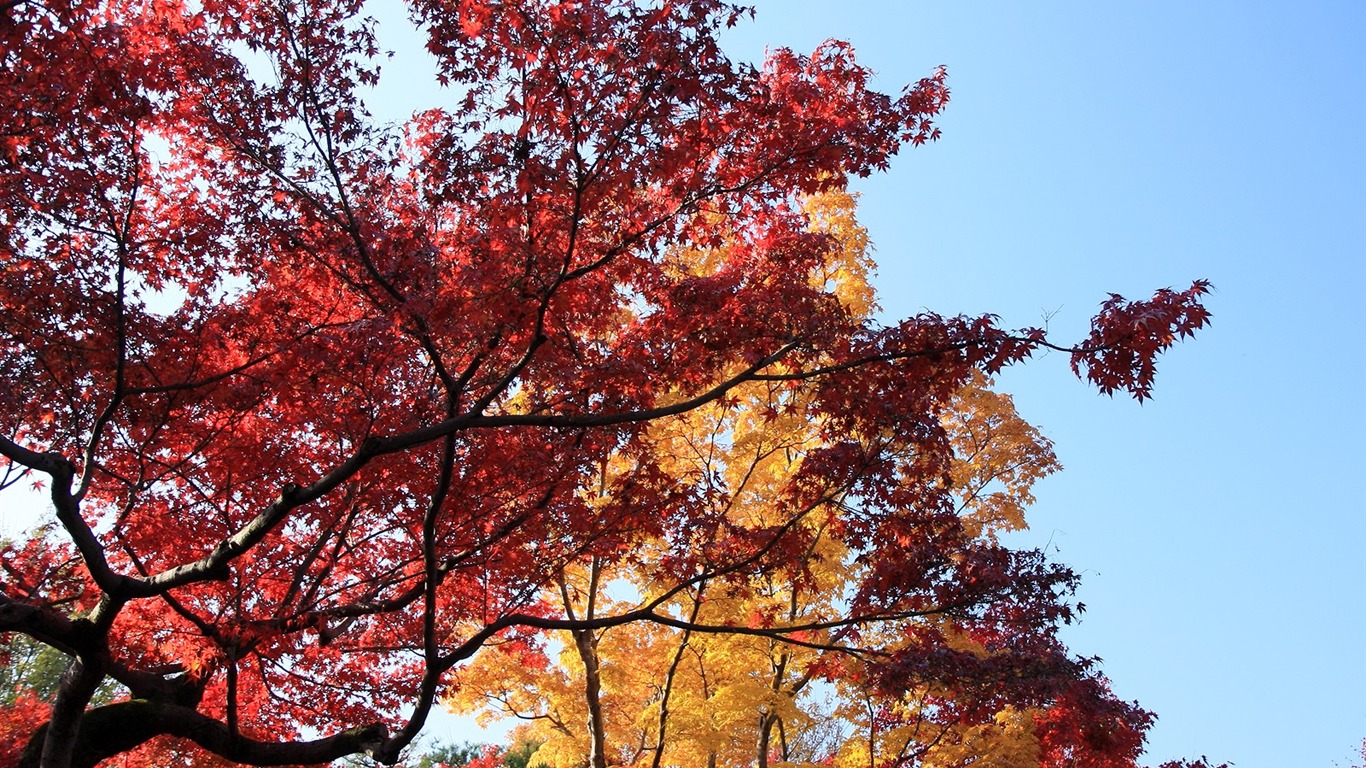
(115, 728)
(586, 643)
(765, 737)
(588, 652)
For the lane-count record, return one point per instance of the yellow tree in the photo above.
(726, 676)
(736, 457)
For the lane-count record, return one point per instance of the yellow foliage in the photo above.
(1008, 742)
(848, 273)
(998, 458)
(712, 699)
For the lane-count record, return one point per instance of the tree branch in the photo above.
(114, 728)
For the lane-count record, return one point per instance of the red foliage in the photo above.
(1087, 727)
(17, 723)
(1126, 337)
(490, 757)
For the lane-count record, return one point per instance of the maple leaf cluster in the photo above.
(1126, 337)
(329, 410)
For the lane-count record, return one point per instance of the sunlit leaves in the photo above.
(326, 406)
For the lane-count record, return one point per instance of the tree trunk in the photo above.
(588, 653)
(586, 643)
(765, 738)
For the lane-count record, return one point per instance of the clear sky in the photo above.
(1098, 147)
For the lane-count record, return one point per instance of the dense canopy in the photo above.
(327, 407)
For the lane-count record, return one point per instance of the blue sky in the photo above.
(1096, 147)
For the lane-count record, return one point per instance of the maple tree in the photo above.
(323, 406)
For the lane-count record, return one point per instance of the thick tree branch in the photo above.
(115, 728)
